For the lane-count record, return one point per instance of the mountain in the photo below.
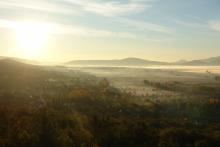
(20, 60)
(180, 62)
(13, 66)
(117, 62)
(213, 61)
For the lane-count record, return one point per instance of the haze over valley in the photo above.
(109, 73)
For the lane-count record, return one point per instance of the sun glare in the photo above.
(31, 38)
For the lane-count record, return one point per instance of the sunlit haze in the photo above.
(31, 38)
(109, 73)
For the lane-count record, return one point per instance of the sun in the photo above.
(31, 38)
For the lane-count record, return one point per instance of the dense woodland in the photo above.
(57, 107)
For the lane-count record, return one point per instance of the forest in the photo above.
(53, 106)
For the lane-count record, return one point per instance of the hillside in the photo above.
(27, 61)
(213, 61)
(117, 62)
(33, 80)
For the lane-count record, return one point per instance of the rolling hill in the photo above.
(213, 61)
(21, 60)
(117, 62)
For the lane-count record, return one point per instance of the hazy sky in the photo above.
(164, 30)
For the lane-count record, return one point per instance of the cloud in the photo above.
(115, 10)
(56, 28)
(104, 8)
(191, 24)
(112, 8)
(144, 26)
(39, 5)
(159, 40)
(89, 32)
(215, 25)
(6, 24)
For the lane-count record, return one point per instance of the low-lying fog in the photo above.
(131, 78)
(197, 69)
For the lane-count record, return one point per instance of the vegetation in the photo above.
(44, 106)
(217, 78)
(192, 89)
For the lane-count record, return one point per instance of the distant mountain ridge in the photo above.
(213, 61)
(118, 62)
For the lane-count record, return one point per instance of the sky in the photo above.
(62, 30)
